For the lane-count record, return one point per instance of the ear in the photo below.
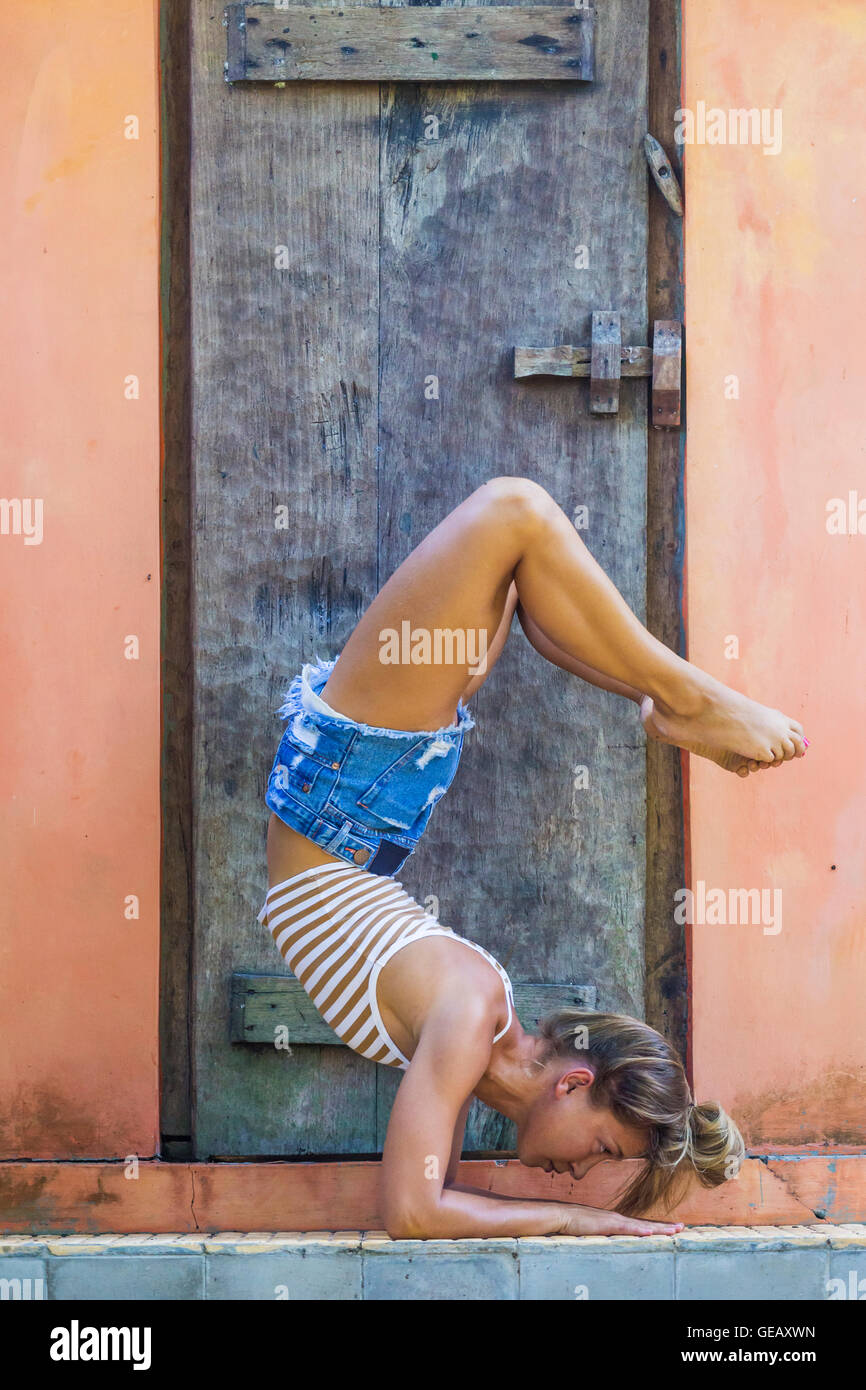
(577, 1077)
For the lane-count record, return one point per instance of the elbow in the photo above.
(402, 1228)
(404, 1223)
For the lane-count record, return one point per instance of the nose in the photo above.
(580, 1170)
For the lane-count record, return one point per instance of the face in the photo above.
(565, 1133)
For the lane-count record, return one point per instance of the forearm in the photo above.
(499, 1196)
(462, 1212)
(465, 1212)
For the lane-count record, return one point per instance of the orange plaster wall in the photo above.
(80, 767)
(776, 295)
(775, 292)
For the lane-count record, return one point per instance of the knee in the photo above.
(519, 501)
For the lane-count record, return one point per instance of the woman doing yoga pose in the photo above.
(368, 749)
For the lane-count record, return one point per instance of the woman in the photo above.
(371, 744)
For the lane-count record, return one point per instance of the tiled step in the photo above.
(810, 1262)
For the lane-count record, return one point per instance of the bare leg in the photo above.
(510, 532)
(459, 578)
(554, 654)
(549, 650)
(494, 651)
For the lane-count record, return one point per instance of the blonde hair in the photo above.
(639, 1078)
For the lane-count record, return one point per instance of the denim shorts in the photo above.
(364, 794)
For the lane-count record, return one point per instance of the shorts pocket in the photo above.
(411, 786)
(298, 775)
(303, 734)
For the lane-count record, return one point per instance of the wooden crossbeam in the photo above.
(363, 43)
(565, 360)
(262, 1003)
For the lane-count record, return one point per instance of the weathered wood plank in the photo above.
(176, 915)
(262, 1004)
(284, 212)
(488, 194)
(503, 43)
(667, 1001)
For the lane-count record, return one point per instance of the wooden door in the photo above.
(365, 258)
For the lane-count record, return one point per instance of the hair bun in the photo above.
(714, 1144)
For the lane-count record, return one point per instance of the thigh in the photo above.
(434, 630)
(494, 651)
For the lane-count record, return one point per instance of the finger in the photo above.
(650, 1228)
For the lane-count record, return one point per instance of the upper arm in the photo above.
(457, 1141)
(451, 1057)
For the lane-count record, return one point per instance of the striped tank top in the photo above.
(336, 926)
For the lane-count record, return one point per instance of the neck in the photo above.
(514, 1075)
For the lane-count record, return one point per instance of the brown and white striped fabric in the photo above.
(337, 926)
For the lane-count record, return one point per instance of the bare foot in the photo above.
(731, 730)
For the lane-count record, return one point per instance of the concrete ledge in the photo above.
(817, 1261)
(160, 1196)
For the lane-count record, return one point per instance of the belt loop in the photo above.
(340, 837)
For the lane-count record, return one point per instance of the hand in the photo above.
(594, 1221)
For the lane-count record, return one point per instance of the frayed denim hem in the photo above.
(293, 702)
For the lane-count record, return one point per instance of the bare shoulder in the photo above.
(441, 967)
(440, 979)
